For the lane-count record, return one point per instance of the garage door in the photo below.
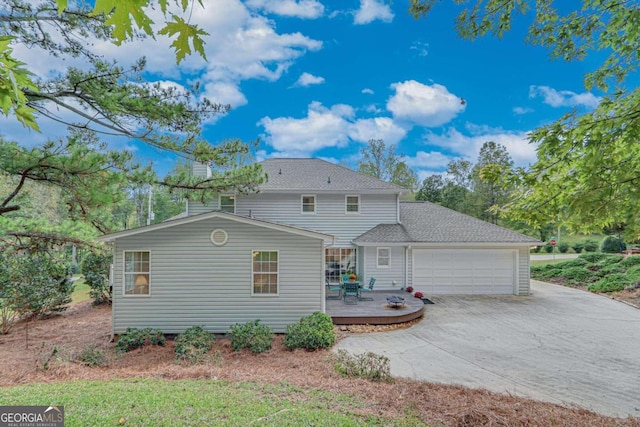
(464, 271)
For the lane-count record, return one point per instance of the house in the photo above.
(266, 255)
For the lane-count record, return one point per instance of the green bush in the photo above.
(550, 273)
(548, 248)
(92, 356)
(577, 275)
(577, 262)
(593, 258)
(368, 365)
(631, 261)
(563, 247)
(612, 245)
(612, 283)
(311, 333)
(134, 338)
(577, 247)
(535, 249)
(193, 344)
(95, 267)
(590, 245)
(251, 335)
(610, 259)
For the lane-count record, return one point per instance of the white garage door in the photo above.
(464, 271)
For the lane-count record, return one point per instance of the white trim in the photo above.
(124, 274)
(315, 204)
(253, 294)
(346, 204)
(329, 239)
(427, 245)
(226, 237)
(235, 200)
(187, 208)
(388, 249)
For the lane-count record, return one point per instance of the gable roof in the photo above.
(317, 175)
(424, 222)
(327, 238)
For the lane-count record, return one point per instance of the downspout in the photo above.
(406, 267)
(398, 208)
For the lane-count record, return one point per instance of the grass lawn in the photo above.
(146, 402)
(547, 261)
(80, 291)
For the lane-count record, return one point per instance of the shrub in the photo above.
(631, 261)
(612, 245)
(311, 333)
(251, 335)
(193, 344)
(550, 273)
(578, 262)
(548, 248)
(590, 245)
(577, 275)
(95, 267)
(593, 257)
(135, 338)
(418, 294)
(92, 356)
(563, 247)
(368, 365)
(612, 283)
(577, 247)
(609, 259)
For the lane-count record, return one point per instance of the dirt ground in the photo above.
(27, 355)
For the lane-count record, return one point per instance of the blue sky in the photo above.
(314, 78)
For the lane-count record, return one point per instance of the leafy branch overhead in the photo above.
(586, 173)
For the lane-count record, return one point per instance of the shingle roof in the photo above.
(319, 175)
(424, 222)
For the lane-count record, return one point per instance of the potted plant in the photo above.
(352, 277)
(409, 289)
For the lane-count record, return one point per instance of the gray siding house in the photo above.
(268, 255)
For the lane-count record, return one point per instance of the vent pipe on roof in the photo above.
(329, 180)
(280, 171)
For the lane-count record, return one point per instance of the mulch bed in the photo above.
(24, 361)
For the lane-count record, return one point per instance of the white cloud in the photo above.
(429, 160)
(372, 10)
(377, 128)
(522, 110)
(424, 105)
(522, 152)
(225, 92)
(305, 9)
(421, 48)
(307, 79)
(367, 91)
(564, 98)
(323, 127)
(372, 108)
(326, 127)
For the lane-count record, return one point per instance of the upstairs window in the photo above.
(228, 203)
(136, 273)
(384, 257)
(353, 204)
(308, 204)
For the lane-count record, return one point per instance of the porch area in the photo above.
(376, 312)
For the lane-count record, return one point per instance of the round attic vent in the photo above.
(219, 237)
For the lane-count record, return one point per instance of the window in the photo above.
(308, 204)
(384, 257)
(338, 261)
(228, 203)
(136, 273)
(265, 272)
(353, 204)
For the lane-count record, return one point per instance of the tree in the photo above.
(490, 174)
(586, 172)
(382, 162)
(431, 189)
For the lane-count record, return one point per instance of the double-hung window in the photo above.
(228, 203)
(308, 204)
(136, 272)
(384, 257)
(352, 204)
(265, 272)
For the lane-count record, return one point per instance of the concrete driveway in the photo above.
(559, 345)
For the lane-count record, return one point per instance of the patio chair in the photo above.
(344, 278)
(333, 288)
(351, 290)
(368, 288)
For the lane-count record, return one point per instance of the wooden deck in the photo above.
(376, 312)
